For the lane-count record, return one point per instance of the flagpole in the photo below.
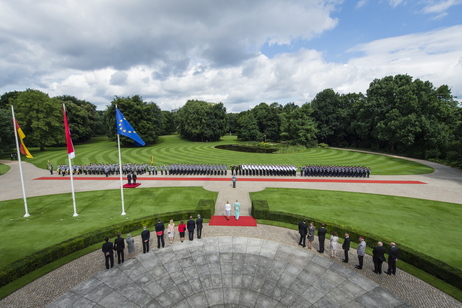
(20, 164)
(120, 174)
(70, 171)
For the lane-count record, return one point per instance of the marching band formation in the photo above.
(213, 169)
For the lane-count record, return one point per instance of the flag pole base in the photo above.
(75, 215)
(123, 213)
(26, 215)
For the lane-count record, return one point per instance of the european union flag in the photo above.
(125, 129)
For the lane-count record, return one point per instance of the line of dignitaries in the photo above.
(108, 247)
(335, 171)
(378, 253)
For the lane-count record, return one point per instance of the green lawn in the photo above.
(420, 224)
(3, 169)
(172, 149)
(51, 220)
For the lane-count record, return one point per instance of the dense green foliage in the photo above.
(145, 118)
(41, 119)
(414, 246)
(201, 121)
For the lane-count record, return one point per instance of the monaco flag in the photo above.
(70, 146)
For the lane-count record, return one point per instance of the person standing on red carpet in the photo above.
(227, 210)
(237, 210)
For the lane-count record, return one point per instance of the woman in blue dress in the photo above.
(236, 209)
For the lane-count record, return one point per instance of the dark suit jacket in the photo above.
(191, 225)
(322, 233)
(302, 228)
(393, 253)
(160, 227)
(145, 235)
(346, 244)
(107, 247)
(199, 223)
(119, 243)
(379, 253)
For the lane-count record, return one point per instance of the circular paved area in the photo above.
(445, 184)
(229, 272)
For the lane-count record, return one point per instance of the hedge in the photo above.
(437, 268)
(21, 267)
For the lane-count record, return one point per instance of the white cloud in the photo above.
(361, 3)
(438, 6)
(395, 3)
(172, 51)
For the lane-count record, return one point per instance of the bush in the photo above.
(19, 268)
(441, 270)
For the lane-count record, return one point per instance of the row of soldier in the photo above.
(264, 170)
(197, 169)
(335, 171)
(214, 169)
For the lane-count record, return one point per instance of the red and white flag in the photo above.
(70, 146)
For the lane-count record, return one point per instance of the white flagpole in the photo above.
(120, 174)
(20, 163)
(70, 173)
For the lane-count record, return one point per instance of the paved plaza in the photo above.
(231, 266)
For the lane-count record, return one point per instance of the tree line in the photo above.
(397, 114)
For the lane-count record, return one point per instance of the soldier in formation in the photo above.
(335, 171)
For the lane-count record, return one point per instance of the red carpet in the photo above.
(131, 185)
(244, 221)
(249, 179)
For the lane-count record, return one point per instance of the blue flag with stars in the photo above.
(125, 129)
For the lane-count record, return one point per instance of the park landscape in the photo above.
(406, 221)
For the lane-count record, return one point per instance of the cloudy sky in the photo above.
(240, 53)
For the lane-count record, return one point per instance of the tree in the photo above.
(40, 117)
(201, 121)
(268, 120)
(300, 129)
(7, 142)
(410, 117)
(248, 127)
(331, 112)
(146, 118)
(168, 121)
(82, 117)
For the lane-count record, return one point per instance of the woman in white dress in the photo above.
(171, 231)
(227, 209)
(333, 244)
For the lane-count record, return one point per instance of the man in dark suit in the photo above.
(107, 249)
(393, 256)
(199, 226)
(145, 236)
(160, 227)
(346, 247)
(119, 246)
(134, 177)
(129, 179)
(322, 237)
(191, 225)
(378, 256)
(303, 230)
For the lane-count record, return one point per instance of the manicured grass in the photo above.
(416, 223)
(4, 169)
(172, 149)
(51, 220)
